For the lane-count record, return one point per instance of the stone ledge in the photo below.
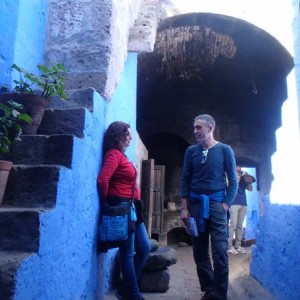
(32, 186)
(19, 230)
(9, 264)
(63, 121)
(42, 149)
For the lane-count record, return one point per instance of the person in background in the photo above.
(206, 196)
(117, 183)
(238, 211)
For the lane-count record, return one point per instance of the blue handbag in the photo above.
(117, 221)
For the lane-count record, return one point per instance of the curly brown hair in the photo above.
(115, 136)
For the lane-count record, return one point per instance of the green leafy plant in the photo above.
(51, 81)
(11, 119)
(22, 87)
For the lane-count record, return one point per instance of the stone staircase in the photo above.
(33, 186)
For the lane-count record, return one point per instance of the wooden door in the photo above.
(147, 192)
(158, 199)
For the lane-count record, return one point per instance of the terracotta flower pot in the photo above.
(5, 167)
(33, 105)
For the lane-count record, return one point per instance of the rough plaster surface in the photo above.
(90, 38)
(143, 33)
(123, 104)
(274, 262)
(78, 35)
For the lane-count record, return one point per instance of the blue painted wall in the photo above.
(275, 260)
(22, 36)
(121, 108)
(252, 208)
(67, 265)
(123, 104)
(8, 32)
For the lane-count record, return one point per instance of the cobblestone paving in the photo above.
(184, 284)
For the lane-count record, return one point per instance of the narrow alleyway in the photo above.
(184, 283)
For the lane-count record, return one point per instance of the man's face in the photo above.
(202, 130)
(239, 170)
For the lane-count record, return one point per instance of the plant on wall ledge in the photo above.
(33, 91)
(10, 124)
(51, 81)
(11, 121)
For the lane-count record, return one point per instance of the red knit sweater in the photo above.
(117, 176)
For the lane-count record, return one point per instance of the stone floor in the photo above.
(184, 283)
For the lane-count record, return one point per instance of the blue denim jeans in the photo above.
(133, 255)
(212, 279)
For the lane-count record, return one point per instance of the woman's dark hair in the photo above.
(115, 136)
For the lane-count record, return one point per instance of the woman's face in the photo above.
(128, 138)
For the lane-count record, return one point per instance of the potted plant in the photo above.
(33, 91)
(11, 120)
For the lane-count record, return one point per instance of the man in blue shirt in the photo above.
(238, 211)
(208, 187)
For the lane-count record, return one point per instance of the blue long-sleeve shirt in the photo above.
(209, 177)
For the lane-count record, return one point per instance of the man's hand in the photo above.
(184, 215)
(184, 211)
(225, 206)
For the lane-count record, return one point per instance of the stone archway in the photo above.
(224, 66)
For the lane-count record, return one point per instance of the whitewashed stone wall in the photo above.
(90, 37)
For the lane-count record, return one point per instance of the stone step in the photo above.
(63, 121)
(42, 149)
(76, 98)
(9, 264)
(32, 186)
(19, 229)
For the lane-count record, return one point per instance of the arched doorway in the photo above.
(224, 66)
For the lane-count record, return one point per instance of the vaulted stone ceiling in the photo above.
(208, 63)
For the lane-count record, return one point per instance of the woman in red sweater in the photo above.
(117, 183)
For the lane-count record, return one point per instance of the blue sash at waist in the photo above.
(204, 205)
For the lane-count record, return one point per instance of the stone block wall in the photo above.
(67, 251)
(67, 243)
(90, 38)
